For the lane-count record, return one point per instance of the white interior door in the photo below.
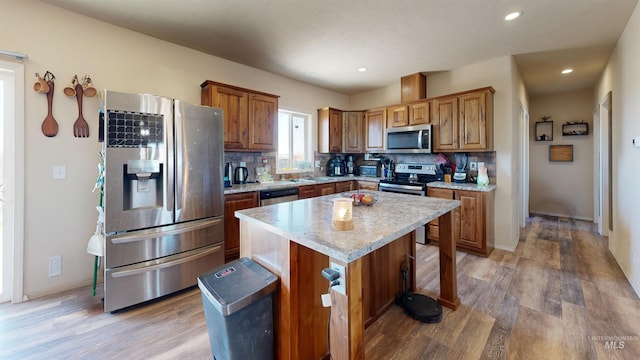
(12, 179)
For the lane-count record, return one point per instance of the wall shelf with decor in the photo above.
(572, 128)
(544, 129)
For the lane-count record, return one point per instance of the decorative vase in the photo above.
(483, 178)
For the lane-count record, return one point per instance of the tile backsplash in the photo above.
(254, 160)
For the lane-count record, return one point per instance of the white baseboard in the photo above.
(585, 218)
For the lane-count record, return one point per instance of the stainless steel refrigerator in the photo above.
(163, 195)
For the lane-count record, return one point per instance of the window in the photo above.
(294, 145)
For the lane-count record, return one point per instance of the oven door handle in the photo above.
(144, 269)
(154, 234)
(402, 189)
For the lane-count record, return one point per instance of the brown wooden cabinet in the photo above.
(343, 186)
(329, 130)
(445, 119)
(413, 87)
(473, 221)
(419, 113)
(263, 122)
(476, 120)
(233, 202)
(307, 191)
(250, 117)
(375, 125)
(326, 189)
(464, 121)
(353, 132)
(367, 185)
(398, 116)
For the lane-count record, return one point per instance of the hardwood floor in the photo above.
(560, 295)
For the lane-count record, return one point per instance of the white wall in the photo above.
(562, 188)
(502, 74)
(59, 214)
(621, 78)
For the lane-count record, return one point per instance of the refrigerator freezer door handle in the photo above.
(178, 230)
(144, 269)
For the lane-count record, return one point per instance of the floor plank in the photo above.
(559, 295)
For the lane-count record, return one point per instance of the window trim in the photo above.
(308, 141)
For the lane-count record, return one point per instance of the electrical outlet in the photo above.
(317, 163)
(55, 265)
(473, 166)
(480, 164)
(341, 288)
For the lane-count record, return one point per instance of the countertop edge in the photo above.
(283, 184)
(462, 186)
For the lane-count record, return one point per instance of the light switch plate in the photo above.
(59, 172)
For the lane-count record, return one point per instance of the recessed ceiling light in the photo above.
(362, 69)
(513, 16)
(567, 71)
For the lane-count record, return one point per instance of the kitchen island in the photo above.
(295, 241)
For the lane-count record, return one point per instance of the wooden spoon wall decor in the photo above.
(49, 125)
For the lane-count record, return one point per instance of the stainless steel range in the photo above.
(413, 179)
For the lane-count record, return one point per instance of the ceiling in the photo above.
(324, 42)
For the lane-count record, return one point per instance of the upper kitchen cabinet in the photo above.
(419, 113)
(398, 116)
(413, 87)
(476, 120)
(329, 130)
(250, 117)
(464, 121)
(352, 132)
(263, 122)
(375, 125)
(445, 119)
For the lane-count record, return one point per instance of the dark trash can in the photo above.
(238, 307)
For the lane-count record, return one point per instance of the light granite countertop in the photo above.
(282, 184)
(461, 186)
(308, 222)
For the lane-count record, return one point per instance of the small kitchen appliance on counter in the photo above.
(460, 175)
(228, 175)
(370, 168)
(241, 174)
(336, 167)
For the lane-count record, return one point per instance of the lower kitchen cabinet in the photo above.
(343, 186)
(326, 189)
(233, 202)
(473, 220)
(367, 185)
(307, 191)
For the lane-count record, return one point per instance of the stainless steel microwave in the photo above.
(409, 139)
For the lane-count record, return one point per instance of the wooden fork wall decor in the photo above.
(80, 89)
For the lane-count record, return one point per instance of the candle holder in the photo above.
(342, 214)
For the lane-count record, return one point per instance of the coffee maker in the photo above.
(336, 167)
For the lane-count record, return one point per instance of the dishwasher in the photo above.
(269, 197)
